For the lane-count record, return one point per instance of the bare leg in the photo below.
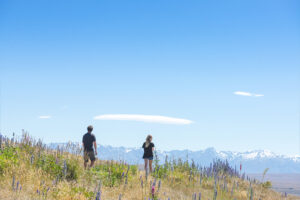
(92, 163)
(85, 164)
(150, 165)
(146, 163)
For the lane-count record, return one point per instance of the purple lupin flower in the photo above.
(13, 183)
(17, 187)
(154, 182)
(153, 191)
(126, 180)
(195, 196)
(215, 194)
(65, 168)
(98, 196)
(159, 183)
(31, 159)
(200, 179)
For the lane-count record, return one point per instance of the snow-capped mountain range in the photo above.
(255, 161)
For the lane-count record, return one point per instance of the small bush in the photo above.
(267, 184)
(112, 174)
(81, 190)
(133, 169)
(8, 157)
(72, 170)
(50, 164)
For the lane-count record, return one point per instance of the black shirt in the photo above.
(148, 150)
(88, 140)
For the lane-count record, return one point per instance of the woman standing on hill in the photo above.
(148, 147)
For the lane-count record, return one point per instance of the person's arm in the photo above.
(153, 148)
(83, 142)
(95, 145)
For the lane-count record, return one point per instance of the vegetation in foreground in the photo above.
(30, 170)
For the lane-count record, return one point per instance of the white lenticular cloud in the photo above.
(144, 118)
(243, 93)
(45, 117)
(248, 94)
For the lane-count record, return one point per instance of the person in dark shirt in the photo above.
(148, 147)
(88, 141)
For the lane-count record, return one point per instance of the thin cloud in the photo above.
(248, 94)
(144, 118)
(258, 95)
(45, 117)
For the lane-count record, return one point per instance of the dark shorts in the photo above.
(89, 155)
(148, 158)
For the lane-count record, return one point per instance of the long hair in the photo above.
(148, 140)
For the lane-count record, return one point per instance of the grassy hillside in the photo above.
(29, 170)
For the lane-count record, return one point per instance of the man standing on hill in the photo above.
(88, 141)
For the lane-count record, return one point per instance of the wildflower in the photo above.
(98, 196)
(153, 191)
(65, 169)
(128, 167)
(159, 183)
(13, 183)
(126, 180)
(215, 194)
(194, 196)
(31, 159)
(200, 179)
(17, 187)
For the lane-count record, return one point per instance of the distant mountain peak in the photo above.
(254, 161)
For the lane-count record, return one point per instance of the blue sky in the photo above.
(75, 60)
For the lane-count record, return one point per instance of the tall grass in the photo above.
(31, 170)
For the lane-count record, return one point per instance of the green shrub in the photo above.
(72, 170)
(55, 166)
(81, 190)
(112, 174)
(8, 157)
(267, 184)
(50, 165)
(133, 169)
